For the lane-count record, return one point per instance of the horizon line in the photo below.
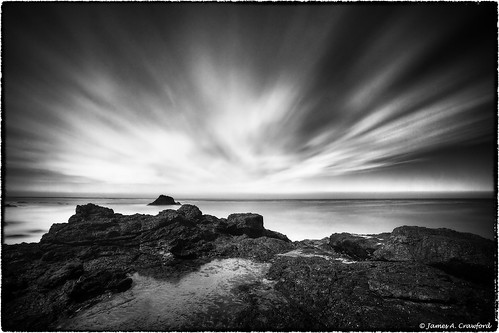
(276, 196)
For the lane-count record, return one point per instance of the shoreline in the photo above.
(30, 220)
(102, 264)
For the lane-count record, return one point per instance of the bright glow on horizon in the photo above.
(214, 110)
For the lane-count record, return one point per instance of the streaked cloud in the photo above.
(228, 98)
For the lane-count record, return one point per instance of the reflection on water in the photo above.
(298, 219)
(199, 300)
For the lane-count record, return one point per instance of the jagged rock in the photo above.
(248, 224)
(261, 249)
(358, 247)
(163, 200)
(97, 282)
(71, 270)
(462, 254)
(276, 235)
(90, 212)
(190, 212)
(319, 244)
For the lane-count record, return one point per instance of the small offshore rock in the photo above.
(163, 200)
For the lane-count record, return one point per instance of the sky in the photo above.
(232, 99)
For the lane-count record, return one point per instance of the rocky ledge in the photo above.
(394, 280)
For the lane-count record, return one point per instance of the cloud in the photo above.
(229, 100)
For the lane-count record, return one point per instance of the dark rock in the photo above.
(90, 212)
(247, 224)
(268, 310)
(124, 284)
(377, 295)
(163, 200)
(397, 281)
(13, 286)
(97, 282)
(276, 235)
(462, 254)
(261, 249)
(9, 205)
(358, 247)
(320, 244)
(190, 212)
(51, 279)
(210, 220)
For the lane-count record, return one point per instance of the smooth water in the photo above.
(204, 298)
(298, 219)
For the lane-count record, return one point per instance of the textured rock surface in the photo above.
(458, 253)
(358, 247)
(344, 282)
(77, 263)
(248, 224)
(377, 295)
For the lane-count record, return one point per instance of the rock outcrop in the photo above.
(164, 200)
(79, 262)
(358, 247)
(391, 281)
(377, 295)
(461, 254)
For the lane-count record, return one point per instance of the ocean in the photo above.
(298, 219)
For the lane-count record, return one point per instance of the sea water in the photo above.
(298, 219)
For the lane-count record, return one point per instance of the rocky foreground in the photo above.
(182, 270)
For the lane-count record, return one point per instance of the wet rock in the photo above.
(53, 278)
(97, 282)
(163, 200)
(358, 247)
